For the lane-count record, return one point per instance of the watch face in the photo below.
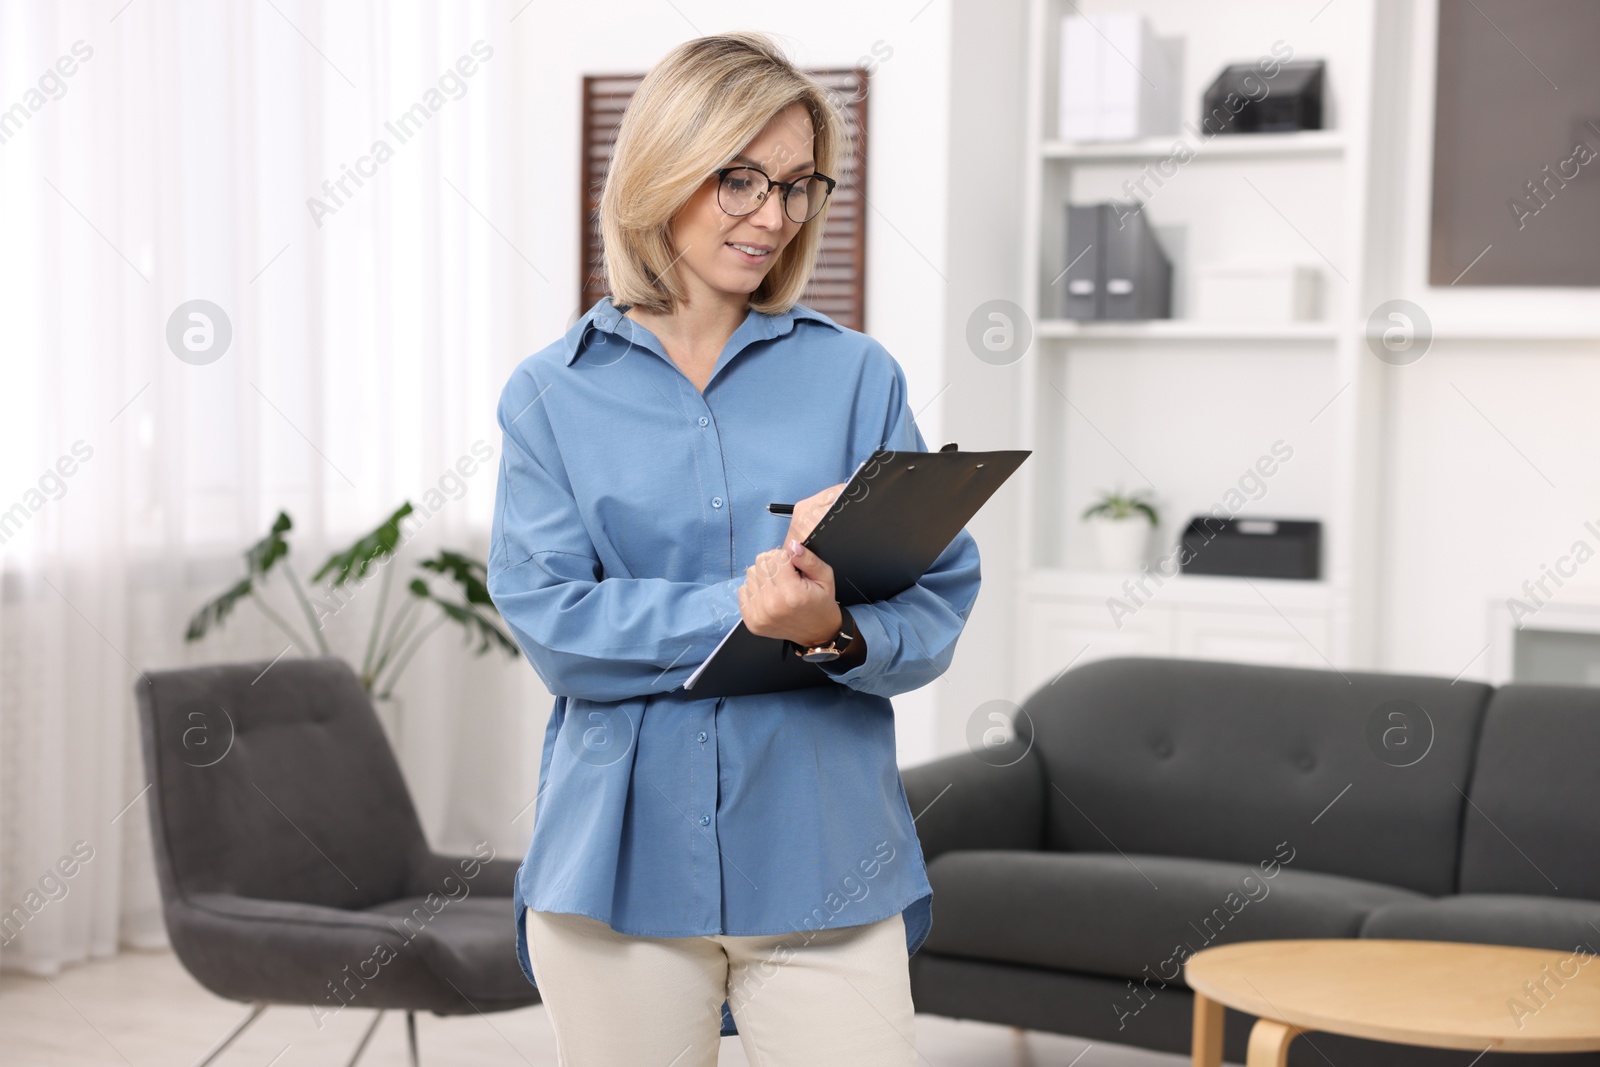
(820, 656)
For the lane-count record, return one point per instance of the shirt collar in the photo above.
(608, 317)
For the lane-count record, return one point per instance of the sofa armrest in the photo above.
(433, 873)
(964, 802)
(497, 877)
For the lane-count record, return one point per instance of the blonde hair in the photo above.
(697, 108)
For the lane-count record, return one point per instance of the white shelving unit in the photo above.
(1279, 145)
(1183, 330)
(1187, 406)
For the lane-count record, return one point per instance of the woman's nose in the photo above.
(773, 220)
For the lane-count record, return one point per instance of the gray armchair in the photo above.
(292, 865)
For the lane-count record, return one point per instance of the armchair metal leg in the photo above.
(411, 1037)
(216, 1050)
(356, 1055)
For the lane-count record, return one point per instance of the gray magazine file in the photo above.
(1116, 268)
(894, 517)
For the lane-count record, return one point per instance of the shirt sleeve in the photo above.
(586, 635)
(911, 637)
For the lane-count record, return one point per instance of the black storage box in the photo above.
(1289, 100)
(1252, 548)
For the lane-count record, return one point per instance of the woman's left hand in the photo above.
(790, 595)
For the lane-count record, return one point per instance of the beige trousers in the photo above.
(839, 996)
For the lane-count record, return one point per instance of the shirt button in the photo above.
(702, 735)
(704, 421)
(705, 820)
(716, 501)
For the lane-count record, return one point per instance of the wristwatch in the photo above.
(835, 647)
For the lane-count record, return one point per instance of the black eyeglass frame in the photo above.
(787, 188)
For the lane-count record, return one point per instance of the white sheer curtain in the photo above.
(164, 152)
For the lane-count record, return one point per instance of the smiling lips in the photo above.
(751, 253)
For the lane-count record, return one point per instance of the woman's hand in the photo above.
(808, 512)
(788, 593)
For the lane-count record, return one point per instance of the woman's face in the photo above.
(705, 235)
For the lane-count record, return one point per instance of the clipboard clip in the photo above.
(950, 447)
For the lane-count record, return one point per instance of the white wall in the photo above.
(1474, 514)
(1492, 441)
(982, 403)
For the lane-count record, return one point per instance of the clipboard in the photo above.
(898, 512)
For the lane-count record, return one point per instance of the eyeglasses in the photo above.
(740, 192)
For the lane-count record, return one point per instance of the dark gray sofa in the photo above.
(1148, 804)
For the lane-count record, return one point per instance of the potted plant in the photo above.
(1122, 523)
(394, 641)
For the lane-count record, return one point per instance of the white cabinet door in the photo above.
(1061, 633)
(1293, 639)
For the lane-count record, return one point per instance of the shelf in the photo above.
(1184, 330)
(1223, 146)
(1523, 332)
(1197, 590)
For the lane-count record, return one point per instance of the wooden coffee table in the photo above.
(1434, 993)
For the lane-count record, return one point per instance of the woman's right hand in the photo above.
(809, 512)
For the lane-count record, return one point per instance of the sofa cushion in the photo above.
(1534, 821)
(1133, 916)
(1222, 760)
(1492, 919)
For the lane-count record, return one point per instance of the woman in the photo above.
(703, 866)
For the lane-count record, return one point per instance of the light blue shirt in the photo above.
(628, 507)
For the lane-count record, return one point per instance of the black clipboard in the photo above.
(893, 518)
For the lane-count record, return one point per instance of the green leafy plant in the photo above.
(1120, 505)
(391, 646)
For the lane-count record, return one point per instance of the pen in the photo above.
(788, 509)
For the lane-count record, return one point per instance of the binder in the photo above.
(1118, 81)
(894, 517)
(1116, 268)
(1082, 290)
(1138, 275)
(1138, 90)
(1080, 80)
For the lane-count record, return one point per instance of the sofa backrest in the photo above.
(1534, 822)
(1226, 761)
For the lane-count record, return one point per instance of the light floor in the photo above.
(141, 1009)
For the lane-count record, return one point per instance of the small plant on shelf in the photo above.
(1122, 523)
(1120, 505)
(389, 648)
